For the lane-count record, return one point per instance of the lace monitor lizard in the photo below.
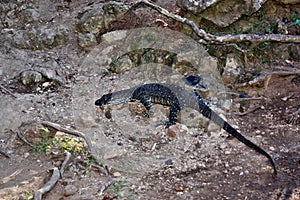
(177, 98)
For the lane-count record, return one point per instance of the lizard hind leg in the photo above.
(173, 115)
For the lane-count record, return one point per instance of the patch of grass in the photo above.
(73, 145)
(45, 143)
(119, 188)
(62, 143)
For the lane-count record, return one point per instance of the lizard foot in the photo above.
(167, 124)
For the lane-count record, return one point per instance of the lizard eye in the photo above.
(103, 100)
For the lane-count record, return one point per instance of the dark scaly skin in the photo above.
(177, 98)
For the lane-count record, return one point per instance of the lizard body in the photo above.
(177, 98)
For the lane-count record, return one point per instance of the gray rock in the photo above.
(91, 21)
(112, 10)
(222, 12)
(52, 37)
(31, 77)
(86, 40)
(42, 38)
(29, 15)
(196, 6)
(232, 68)
(70, 190)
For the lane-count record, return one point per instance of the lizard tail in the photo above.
(210, 114)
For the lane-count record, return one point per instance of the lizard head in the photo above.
(104, 100)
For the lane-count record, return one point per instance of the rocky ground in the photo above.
(58, 57)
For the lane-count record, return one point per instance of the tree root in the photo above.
(53, 180)
(48, 186)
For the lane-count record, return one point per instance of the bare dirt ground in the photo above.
(190, 163)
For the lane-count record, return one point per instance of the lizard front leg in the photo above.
(146, 101)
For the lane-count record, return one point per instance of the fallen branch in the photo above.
(8, 91)
(241, 98)
(49, 185)
(10, 177)
(265, 77)
(244, 113)
(208, 38)
(64, 129)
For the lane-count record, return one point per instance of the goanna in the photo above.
(177, 98)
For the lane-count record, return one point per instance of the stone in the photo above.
(195, 6)
(221, 12)
(70, 190)
(41, 38)
(112, 10)
(29, 15)
(52, 37)
(294, 50)
(31, 77)
(232, 69)
(116, 174)
(86, 40)
(91, 22)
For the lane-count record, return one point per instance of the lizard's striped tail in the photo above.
(210, 114)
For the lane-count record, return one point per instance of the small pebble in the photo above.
(169, 162)
(227, 152)
(272, 148)
(116, 174)
(70, 190)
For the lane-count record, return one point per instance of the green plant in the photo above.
(118, 187)
(72, 145)
(295, 19)
(44, 144)
(28, 195)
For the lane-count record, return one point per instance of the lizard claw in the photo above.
(167, 124)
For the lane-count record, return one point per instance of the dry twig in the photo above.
(295, 116)
(8, 91)
(265, 78)
(10, 177)
(244, 113)
(4, 154)
(22, 137)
